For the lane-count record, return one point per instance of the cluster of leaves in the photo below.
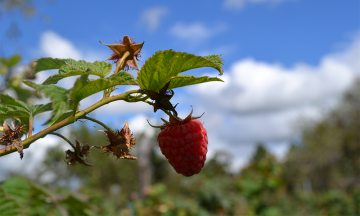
(18, 196)
(159, 75)
(162, 68)
(11, 78)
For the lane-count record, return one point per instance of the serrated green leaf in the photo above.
(19, 188)
(13, 114)
(128, 78)
(59, 97)
(84, 88)
(166, 64)
(186, 80)
(41, 108)
(74, 68)
(48, 64)
(99, 68)
(216, 59)
(8, 100)
(8, 205)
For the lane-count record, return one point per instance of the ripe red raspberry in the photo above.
(184, 144)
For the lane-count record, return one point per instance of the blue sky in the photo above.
(285, 31)
(283, 58)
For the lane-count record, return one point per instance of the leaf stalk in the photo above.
(64, 138)
(99, 122)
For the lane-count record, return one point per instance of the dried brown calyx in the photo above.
(12, 136)
(126, 53)
(80, 154)
(120, 142)
(162, 99)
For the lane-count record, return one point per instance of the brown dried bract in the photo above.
(12, 136)
(162, 99)
(119, 49)
(79, 155)
(120, 142)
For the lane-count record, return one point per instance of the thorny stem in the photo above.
(99, 122)
(125, 96)
(64, 138)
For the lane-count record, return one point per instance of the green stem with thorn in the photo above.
(125, 96)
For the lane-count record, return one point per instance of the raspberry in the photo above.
(184, 144)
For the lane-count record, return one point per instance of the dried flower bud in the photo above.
(119, 49)
(120, 142)
(12, 136)
(79, 155)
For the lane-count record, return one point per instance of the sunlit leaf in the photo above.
(74, 68)
(8, 100)
(186, 80)
(59, 97)
(48, 64)
(84, 88)
(166, 64)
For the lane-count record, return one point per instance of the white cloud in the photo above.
(53, 45)
(261, 102)
(33, 157)
(240, 4)
(195, 32)
(139, 124)
(151, 17)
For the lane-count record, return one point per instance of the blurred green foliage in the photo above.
(12, 73)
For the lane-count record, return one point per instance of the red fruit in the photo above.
(184, 144)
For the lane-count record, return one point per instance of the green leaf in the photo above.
(59, 97)
(84, 88)
(97, 68)
(13, 114)
(9, 62)
(19, 188)
(48, 64)
(216, 59)
(8, 100)
(73, 68)
(186, 80)
(36, 109)
(8, 205)
(166, 64)
(128, 78)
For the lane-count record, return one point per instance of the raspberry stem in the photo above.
(99, 122)
(64, 138)
(27, 142)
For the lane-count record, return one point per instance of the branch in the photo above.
(27, 142)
